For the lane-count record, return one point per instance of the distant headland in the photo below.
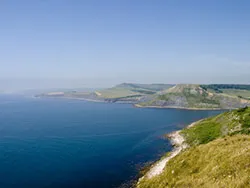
(182, 96)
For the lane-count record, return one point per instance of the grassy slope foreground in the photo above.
(218, 156)
(194, 97)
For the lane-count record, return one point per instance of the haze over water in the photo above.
(71, 143)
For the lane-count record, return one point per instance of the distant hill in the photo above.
(188, 96)
(218, 155)
(194, 97)
(124, 93)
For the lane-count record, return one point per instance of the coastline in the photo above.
(176, 107)
(137, 105)
(74, 98)
(85, 99)
(178, 143)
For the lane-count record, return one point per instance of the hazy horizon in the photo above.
(98, 44)
(47, 85)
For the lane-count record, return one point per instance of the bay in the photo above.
(47, 142)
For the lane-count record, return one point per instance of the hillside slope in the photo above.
(227, 123)
(224, 162)
(218, 154)
(194, 97)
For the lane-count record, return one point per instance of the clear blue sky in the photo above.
(90, 43)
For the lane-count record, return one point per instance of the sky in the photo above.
(96, 43)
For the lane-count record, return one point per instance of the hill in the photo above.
(218, 155)
(194, 97)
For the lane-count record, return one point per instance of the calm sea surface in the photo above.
(70, 143)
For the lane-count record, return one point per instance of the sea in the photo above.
(55, 142)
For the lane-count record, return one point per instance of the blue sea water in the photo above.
(71, 143)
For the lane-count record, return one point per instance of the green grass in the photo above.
(224, 162)
(211, 128)
(117, 93)
(203, 133)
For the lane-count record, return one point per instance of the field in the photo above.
(237, 92)
(116, 93)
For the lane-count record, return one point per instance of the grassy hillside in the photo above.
(218, 156)
(228, 123)
(195, 96)
(224, 162)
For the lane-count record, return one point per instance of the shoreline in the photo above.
(73, 98)
(176, 107)
(178, 143)
(136, 105)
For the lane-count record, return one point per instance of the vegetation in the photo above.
(218, 156)
(228, 123)
(224, 162)
(226, 86)
(152, 87)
